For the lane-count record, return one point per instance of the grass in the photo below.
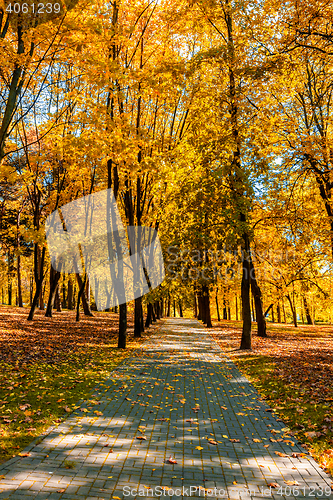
(293, 371)
(44, 376)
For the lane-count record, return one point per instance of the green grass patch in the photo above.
(36, 395)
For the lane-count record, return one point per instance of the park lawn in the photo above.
(49, 365)
(293, 371)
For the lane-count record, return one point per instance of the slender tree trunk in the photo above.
(80, 295)
(174, 308)
(225, 316)
(278, 310)
(137, 317)
(246, 342)
(54, 280)
(149, 315)
(257, 296)
(9, 280)
(153, 313)
(284, 311)
(199, 306)
(41, 294)
(70, 295)
(236, 307)
(85, 304)
(273, 319)
(142, 321)
(19, 282)
(39, 276)
(169, 307)
(307, 311)
(31, 290)
(217, 306)
(122, 326)
(205, 295)
(180, 308)
(292, 309)
(64, 301)
(57, 301)
(157, 309)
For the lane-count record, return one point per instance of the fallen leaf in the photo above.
(292, 483)
(142, 438)
(280, 454)
(172, 460)
(273, 485)
(211, 441)
(235, 440)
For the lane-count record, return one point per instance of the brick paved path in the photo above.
(179, 393)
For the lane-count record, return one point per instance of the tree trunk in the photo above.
(205, 295)
(246, 342)
(19, 282)
(149, 315)
(153, 313)
(137, 317)
(217, 306)
(236, 308)
(70, 303)
(57, 301)
(85, 304)
(225, 315)
(292, 309)
(39, 276)
(278, 310)
(180, 308)
(122, 326)
(80, 294)
(284, 311)
(157, 309)
(199, 306)
(54, 280)
(273, 319)
(307, 311)
(142, 321)
(174, 308)
(257, 296)
(169, 307)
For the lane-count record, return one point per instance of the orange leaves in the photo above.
(172, 460)
(212, 441)
(280, 454)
